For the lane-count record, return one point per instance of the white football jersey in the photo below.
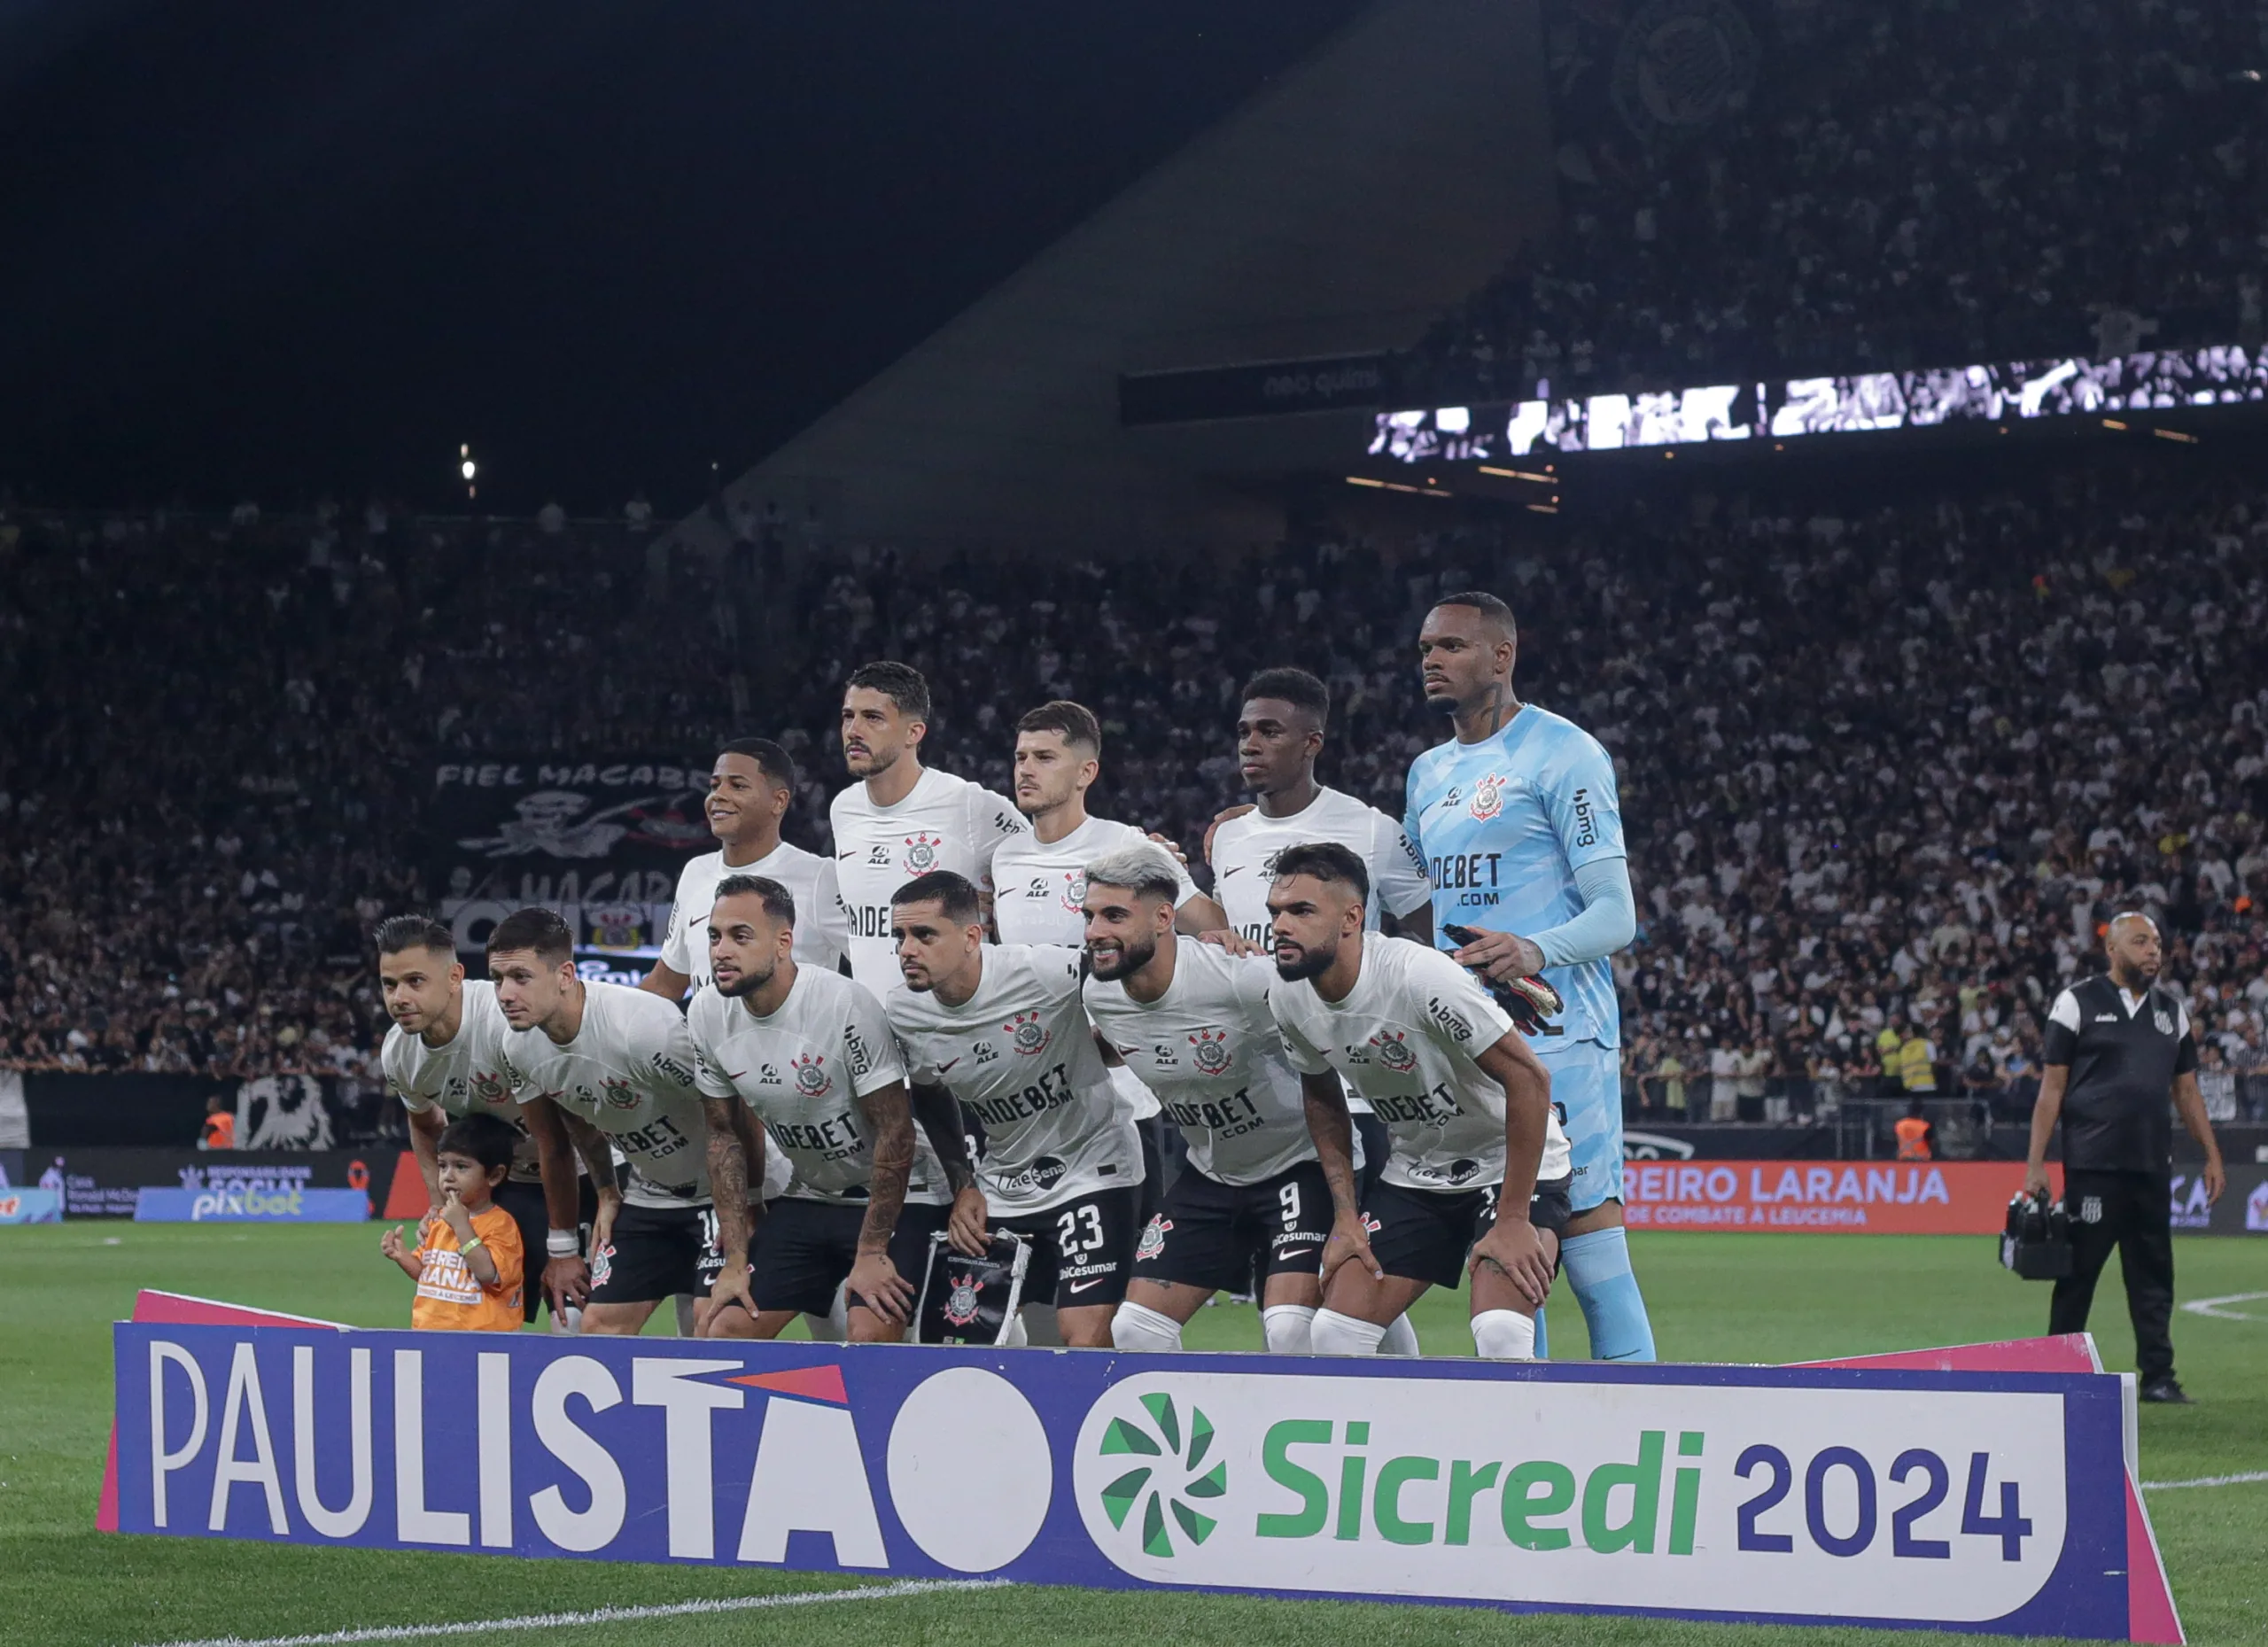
(1244, 849)
(1407, 1038)
(464, 1076)
(802, 1070)
(944, 823)
(1039, 890)
(1022, 1056)
(629, 1073)
(822, 933)
(1208, 1047)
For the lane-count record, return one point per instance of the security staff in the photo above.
(2116, 1045)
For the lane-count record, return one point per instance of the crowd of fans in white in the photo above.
(1884, 772)
(1905, 183)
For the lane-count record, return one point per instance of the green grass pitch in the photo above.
(1756, 1298)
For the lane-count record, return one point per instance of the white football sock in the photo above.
(1138, 1327)
(1400, 1338)
(1504, 1335)
(1289, 1327)
(1333, 1335)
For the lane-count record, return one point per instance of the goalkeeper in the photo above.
(1519, 822)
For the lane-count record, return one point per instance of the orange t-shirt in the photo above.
(449, 1296)
(221, 1130)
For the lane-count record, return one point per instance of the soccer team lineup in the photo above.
(998, 1073)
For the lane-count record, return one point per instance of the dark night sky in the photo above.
(278, 249)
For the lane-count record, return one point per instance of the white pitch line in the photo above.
(2208, 1480)
(601, 1615)
(2212, 1306)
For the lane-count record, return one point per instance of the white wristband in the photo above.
(562, 1243)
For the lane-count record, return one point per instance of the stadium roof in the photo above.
(1378, 183)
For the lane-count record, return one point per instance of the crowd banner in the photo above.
(1976, 1500)
(601, 841)
(252, 1203)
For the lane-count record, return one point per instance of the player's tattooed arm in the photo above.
(731, 1146)
(938, 1111)
(1513, 1246)
(1332, 1128)
(598, 1161)
(873, 1279)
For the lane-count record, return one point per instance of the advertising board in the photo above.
(252, 1203)
(1964, 1500)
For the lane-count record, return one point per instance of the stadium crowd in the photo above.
(1909, 185)
(1885, 774)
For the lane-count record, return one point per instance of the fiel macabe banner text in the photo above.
(601, 841)
(1976, 1501)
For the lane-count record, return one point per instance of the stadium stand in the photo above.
(1886, 768)
(1843, 186)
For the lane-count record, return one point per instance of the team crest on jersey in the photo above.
(1267, 865)
(960, 1300)
(811, 1079)
(620, 1093)
(1487, 797)
(1027, 1034)
(2164, 1021)
(1393, 1053)
(488, 1086)
(1153, 1238)
(1210, 1051)
(1075, 890)
(921, 853)
(616, 926)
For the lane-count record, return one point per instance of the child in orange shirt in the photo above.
(468, 1261)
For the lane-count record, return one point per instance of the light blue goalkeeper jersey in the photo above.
(1503, 826)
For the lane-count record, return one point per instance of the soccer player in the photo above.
(811, 1053)
(1041, 876)
(1193, 1023)
(1477, 1176)
(444, 1059)
(612, 1065)
(1280, 734)
(750, 789)
(1002, 1028)
(902, 820)
(1519, 823)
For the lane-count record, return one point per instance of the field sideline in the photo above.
(1754, 1298)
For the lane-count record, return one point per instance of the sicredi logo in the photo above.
(1482, 1490)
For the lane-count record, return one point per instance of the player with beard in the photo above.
(444, 1059)
(1041, 876)
(900, 818)
(613, 1065)
(1477, 1177)
(811, 1052)
(1193, 1023)
(1520, 823)
(750, 789)
(1280, 732)
(1003, 1029)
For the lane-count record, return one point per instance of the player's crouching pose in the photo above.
(612, 1065)
(1193, 1023)
(1478, 1172)
(1002, 1028)
(811, 1055)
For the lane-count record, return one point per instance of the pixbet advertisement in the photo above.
(1991, 1502)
